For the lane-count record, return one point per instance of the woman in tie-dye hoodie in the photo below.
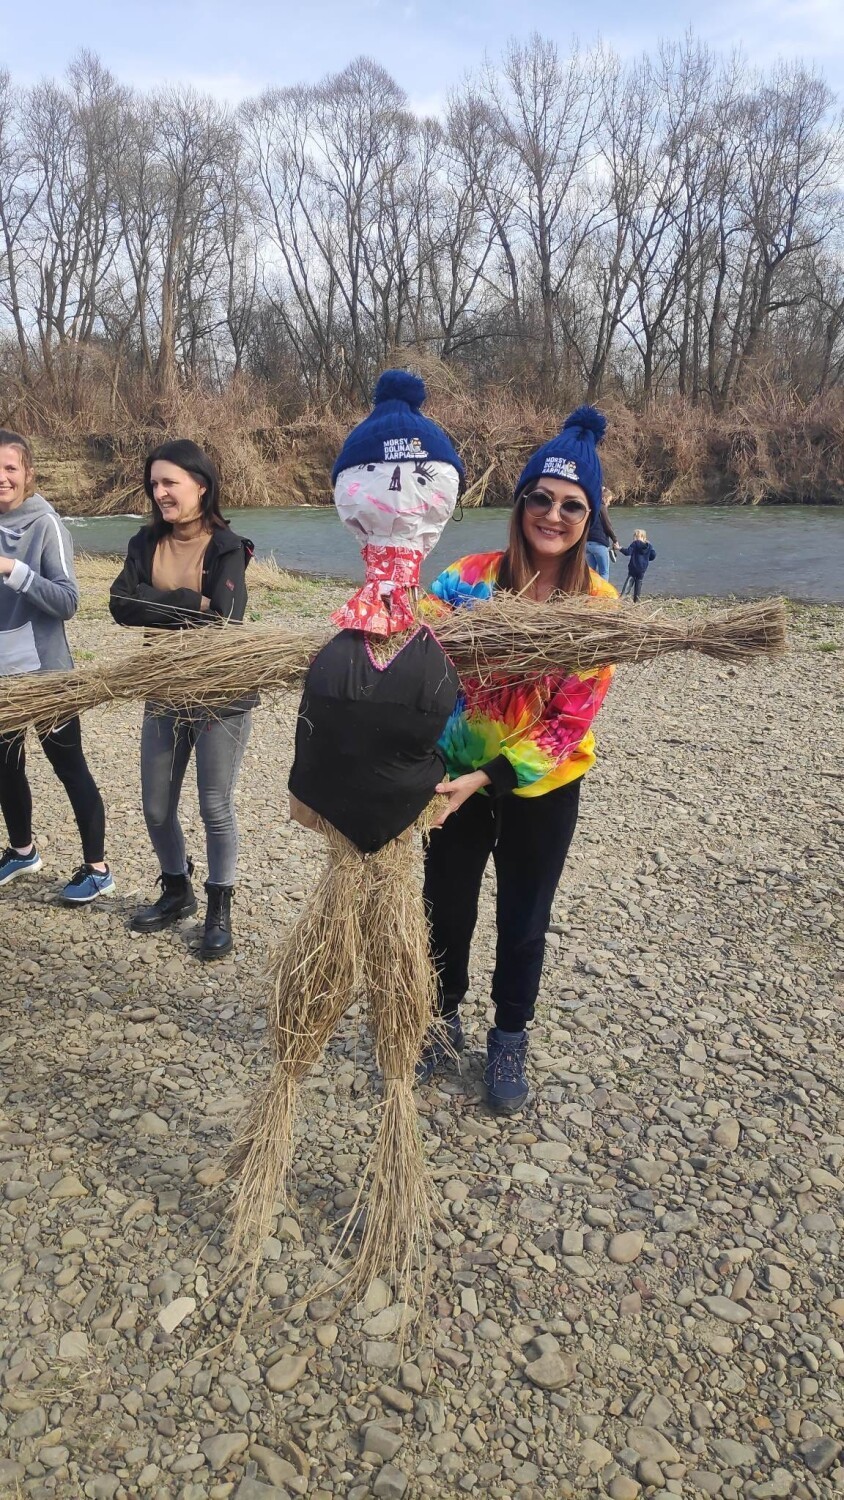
(515, 755)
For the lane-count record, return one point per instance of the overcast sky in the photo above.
(237, 47)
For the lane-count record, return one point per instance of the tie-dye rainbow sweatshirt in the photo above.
(529, 737)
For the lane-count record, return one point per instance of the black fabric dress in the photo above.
(366, 736)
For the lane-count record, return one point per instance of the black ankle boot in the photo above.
(217, 939)
(177, 900)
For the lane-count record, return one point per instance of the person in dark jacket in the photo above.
(185, 570)
(600, 536)
(639, 554)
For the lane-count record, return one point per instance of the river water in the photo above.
(712, 550)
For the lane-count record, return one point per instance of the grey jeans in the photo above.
(167, 740)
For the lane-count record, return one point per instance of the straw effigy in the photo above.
(502, 637)
(364, 931)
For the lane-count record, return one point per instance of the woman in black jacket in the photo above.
(184, 570)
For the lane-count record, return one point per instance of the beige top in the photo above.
(177, 561)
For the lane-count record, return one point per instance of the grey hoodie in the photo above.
(39, 594)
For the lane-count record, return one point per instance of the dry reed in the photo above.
(315, 975)
(400, 988)
(175, 669)
(364, 930)
(500, 638)
(509, 636)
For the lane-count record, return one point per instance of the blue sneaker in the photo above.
(13, 864)
(440, 1047)
(507, 1088)
(86, 884)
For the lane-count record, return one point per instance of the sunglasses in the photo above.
(537, 504)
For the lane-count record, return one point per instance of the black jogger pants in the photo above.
(63, 749)
(528, 838)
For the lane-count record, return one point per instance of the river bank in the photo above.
(662, 1226)
(769, 450)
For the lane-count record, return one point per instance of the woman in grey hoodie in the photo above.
(38, 593)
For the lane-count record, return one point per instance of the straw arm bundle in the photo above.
(509, 636)
(503, 637)
(175, 669)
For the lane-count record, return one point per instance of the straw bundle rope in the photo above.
(504, 637)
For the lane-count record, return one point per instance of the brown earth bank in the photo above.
(771, 449)
(637, 1287)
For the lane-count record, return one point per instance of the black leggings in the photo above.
(528, 838)
(63, 749)
(636, 579)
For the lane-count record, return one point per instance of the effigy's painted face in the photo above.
(403, 504)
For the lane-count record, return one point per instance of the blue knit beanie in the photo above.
(395, 430)
(572, 454)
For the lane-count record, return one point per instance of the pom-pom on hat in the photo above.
(572, 454)
(395, 430)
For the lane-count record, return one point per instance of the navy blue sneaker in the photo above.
(86, 884)
(13, 864)
(440, 1047)
(507, 1088)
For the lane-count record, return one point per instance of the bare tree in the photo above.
(73, 237)
(544, 112)
(20, 187)
(191, 133)
(573, 223)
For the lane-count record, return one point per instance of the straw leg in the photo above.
(262, 1158)
(315, 976)
(399, 980)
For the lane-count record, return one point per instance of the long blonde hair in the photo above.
(517, 570)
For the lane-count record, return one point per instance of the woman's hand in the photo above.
(6, 566)
(459, 791)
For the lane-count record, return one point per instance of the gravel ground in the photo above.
(638, 1287)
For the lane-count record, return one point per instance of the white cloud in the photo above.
(431, 104)
(767, 29)
(226, 88)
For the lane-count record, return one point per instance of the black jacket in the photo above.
(134, 601)
(601, 530)
(367, 757)
(640, 554)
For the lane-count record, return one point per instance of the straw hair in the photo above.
(506, 636)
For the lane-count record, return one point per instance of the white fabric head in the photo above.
(397, 505)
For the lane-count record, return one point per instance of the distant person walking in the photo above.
(600, 536)
(38, 593)
(640, 554)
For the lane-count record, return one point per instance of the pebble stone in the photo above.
(635, 1285)
(627, 1247)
